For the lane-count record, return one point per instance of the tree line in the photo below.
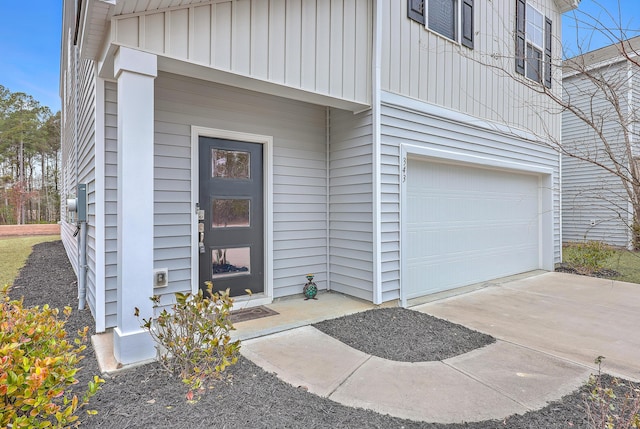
(29, 160)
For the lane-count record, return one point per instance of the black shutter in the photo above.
(548, 39)
(521, 7)
(467, 23)
(415, 10)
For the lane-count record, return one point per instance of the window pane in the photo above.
(442, 17)
(230, 213)
(229, 262)
(535, 26)
(534, 63)
(231, 164)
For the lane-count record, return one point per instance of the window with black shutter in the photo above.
(452, 19)
(533, 39)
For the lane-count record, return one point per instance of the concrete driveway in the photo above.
(572, 317)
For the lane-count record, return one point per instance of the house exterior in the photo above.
(595, 204)
(389, 147)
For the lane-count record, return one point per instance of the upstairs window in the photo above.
(451, 18)
(533, 43)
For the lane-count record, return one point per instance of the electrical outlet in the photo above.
(161, 277)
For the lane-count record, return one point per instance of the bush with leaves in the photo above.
(193, 338)
(587, 258)
(612, 404)
(38, 365)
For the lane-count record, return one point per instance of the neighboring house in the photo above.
(595, 204)
(252, 142)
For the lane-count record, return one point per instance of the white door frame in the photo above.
(545, 174)
(267, 168)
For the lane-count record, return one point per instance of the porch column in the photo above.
(135, 72)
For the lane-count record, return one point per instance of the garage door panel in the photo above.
(467, 224)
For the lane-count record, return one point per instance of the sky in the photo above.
(30, 40)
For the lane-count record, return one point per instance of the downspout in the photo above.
(376, 148)
(328, 214)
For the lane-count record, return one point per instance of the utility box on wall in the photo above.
(78, 205)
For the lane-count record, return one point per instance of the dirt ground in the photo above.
(31, 229)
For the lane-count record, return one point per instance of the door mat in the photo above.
(245, 314)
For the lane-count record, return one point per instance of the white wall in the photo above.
(321, 46)
(482, 82)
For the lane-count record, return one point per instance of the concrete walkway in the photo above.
(550, 329)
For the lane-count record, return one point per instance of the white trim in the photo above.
(267, 162)
(546, 178)
(376, 148)
(99, 165)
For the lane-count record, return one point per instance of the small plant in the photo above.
(604, 407)
(588, 257)
(38, 366)
(193, 338)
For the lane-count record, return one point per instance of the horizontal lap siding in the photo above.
(79, 167)
(111, 202)
(589, 193)
(399, 126)
(299, 175)
(351, 204)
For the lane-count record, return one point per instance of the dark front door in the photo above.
(230, 225)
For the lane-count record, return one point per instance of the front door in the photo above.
(230, 225)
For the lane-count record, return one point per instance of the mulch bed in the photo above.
(604, 273)
(147, 397)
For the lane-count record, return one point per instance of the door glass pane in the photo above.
(230, 213)
(228, 262)
(230, 164)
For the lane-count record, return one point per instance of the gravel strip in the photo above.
(146, 397)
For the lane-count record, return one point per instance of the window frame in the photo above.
(525, 43)
(418, 10)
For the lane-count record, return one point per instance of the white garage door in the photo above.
(466, 225)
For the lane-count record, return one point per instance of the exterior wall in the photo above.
(111, 202)
(412, 125)
(299, 175)
(78, 165)
(482, 82)
(319, 46)
(351, 203)
(594, 201)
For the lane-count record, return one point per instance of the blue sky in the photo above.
(30, 40)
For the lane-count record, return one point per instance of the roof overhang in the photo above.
(567, 5)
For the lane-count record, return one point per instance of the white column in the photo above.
(135, 72)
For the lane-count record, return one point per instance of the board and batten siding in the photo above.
(351, 203)
(595, 205)
(299, 175)
(421, 64)
(319, 46)
(401, 125)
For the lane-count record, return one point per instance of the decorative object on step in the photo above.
(310, 289)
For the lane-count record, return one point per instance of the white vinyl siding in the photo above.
(422, 64)
(594, 201)
(299, 175)
(318, 46)
(400, 125)
(351, 203)
(78, 166)
(111, 203)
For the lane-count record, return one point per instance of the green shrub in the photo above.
(38, 366)
(611, 405)
(193, 339)
(588, 257)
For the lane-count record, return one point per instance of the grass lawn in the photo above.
(627, 263)
(14, 252)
